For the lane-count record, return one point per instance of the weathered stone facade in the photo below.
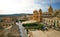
(37, 15)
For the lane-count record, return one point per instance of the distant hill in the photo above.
(14, 15)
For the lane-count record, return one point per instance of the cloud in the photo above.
(23, 6)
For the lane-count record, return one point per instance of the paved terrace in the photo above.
(50, 33)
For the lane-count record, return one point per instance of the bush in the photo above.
(40, 25)
(33, 26)
(30, 24)
(22, 20)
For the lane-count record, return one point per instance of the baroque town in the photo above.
(38, 24)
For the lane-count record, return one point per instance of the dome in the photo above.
(35, 11)
(40, 10)
(50, 8)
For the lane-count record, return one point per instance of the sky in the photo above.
(26, 6)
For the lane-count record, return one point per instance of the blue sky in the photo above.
(26, 6)
(56, 5)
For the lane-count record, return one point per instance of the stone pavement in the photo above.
(50, 33)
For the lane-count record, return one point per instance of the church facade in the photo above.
(52, 17)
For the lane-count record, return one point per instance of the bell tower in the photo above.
(40, 15)
(35, 15)
(50, 9)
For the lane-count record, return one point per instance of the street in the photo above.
(23, 32)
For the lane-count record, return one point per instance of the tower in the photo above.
(50, 9)
(40, 16)
(35, 15)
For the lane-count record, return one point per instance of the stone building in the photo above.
(51, 17)
(10, 29)
(1, 31)
(37, 15)
(7, 21)
(50, 10)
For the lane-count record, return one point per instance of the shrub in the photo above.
(33, 26)
(30, 24)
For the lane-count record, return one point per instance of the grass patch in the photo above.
(33, 26)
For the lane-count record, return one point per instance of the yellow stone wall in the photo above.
(37, 15)
(50, 9)
(40, 15)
